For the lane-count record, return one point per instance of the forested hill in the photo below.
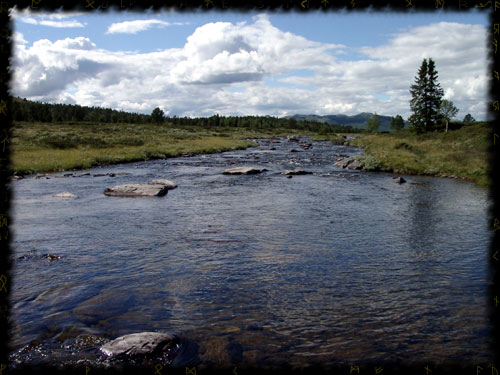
(358, 121)
(29, 111)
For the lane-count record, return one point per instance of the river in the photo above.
(333, 267)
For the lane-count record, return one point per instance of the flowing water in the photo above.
(334, 267)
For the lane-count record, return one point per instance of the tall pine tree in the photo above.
(426, 98)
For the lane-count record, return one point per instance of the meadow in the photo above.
(39, 147)
(462, 152)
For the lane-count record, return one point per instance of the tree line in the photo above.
(30, 111)
(253, 122)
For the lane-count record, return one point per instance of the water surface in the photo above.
(333, 267)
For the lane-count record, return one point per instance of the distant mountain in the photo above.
(357, 121)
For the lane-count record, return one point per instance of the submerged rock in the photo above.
(163, 182)
(295, 172)
(64, 195)
(140, 344)
(51, 257)
(244, 170)
(137, 190)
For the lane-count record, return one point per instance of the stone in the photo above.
(399, 180)
(344, 162)
(295, 172)
(64, 195)
(169, 184)
(140, 344)
(51, 257)
(244, 170)
(355, 164)
(137, 190)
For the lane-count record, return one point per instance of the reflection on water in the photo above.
(327, 268)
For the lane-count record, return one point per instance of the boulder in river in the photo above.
(64, 195)
(354, 164)
(137, 190)
(244, 170)
(164, 182)
(399, 180)
(140, 344)
(343, 163)
(295, 172)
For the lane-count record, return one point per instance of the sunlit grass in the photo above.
(462, 152)
(42, 147)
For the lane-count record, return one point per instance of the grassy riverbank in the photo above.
(54, 147)
(462, 152)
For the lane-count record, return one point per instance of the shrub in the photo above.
(369, 163)
(403, 145)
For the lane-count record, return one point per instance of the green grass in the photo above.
(336, 139)
(46, 147)
(53, 147)
(462, 152)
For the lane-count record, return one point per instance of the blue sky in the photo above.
(266, 63)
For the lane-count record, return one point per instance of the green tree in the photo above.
(426, 98)
(157, 115)
(447, 111)
(468, 118)
(397, 123)
(373, 124)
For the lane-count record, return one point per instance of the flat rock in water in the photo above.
(169, 184)
(137, 190)
(64, 195)
(137, 344)
(244, 170)
(295, 172)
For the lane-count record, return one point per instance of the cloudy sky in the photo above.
(199, 64)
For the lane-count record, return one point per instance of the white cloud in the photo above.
(58, 24)
(199, 79)
(29, 20)
(61, 24)
(133, 27)
(18, 38)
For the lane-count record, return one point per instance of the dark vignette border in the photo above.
(490, 6)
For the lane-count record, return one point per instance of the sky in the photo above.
(253, 63)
